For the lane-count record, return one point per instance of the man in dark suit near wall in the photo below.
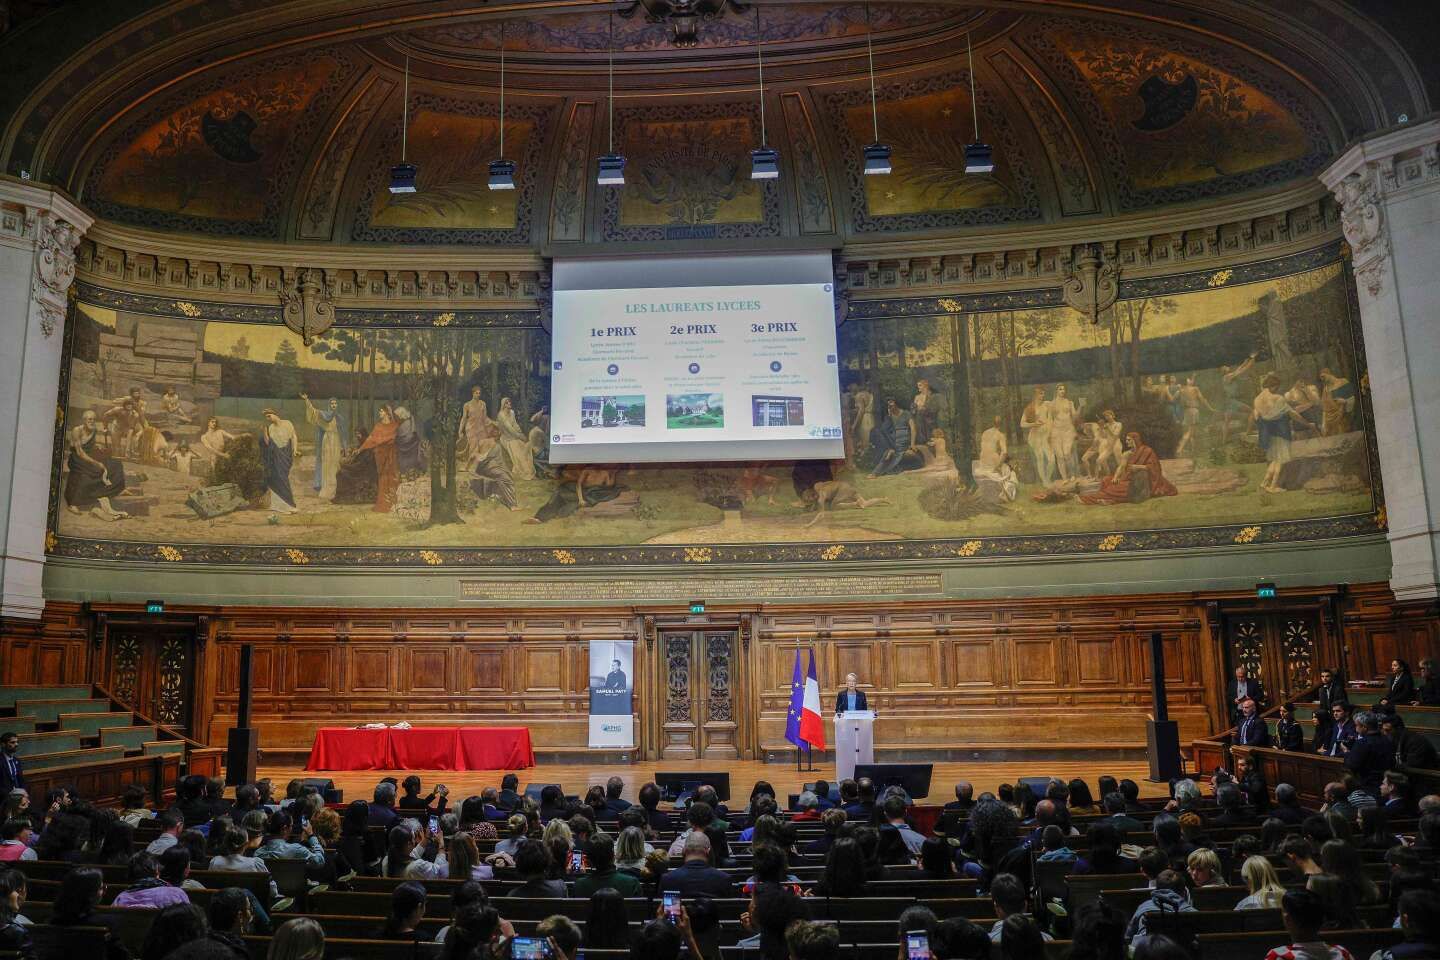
(851, 698)
(1330, 692)
(1251, 730)
(12, 776)
(509, 798)
(1370, 755)
(1242, 687)
(1342, 732)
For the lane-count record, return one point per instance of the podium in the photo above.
(854, 741)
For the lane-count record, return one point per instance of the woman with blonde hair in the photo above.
(1263, 883)
(559, 841)
(518, 826)
(463, 859)
(630, 851)
(1203, 865)
(298, 939)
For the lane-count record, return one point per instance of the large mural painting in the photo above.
(1206, 408)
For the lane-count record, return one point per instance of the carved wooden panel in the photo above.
(483, 669)
(1035, 662)
(544, 667)
(677, 679)
(915, 664)
(1096, 661)
(974, 663)
(426, 670)
(311, 670)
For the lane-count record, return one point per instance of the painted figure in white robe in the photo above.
(516, 442)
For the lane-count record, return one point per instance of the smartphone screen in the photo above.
(434, 824)
(917, 945)
(528, 948)
(671, 903)
(577, 861)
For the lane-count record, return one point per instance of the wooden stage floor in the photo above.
(576, 777)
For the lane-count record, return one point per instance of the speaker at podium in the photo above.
(854, 741)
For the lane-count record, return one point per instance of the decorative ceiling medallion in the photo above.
(684, 16)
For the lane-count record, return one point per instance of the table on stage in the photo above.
(421, 748)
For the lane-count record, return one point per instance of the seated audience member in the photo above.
(1289, 734)
(964, 797)
(894, 812)
(1375, 832)
(552, 803)
(1420, 921)
(1118, 816)
(475, 820)
(698, 817)
(468, 896)
(563, 932)
(695, 877)
(1104, 853)
(1299, 853)
(230, 916)
(1130, 790)
(17, 838)
(407, 910)
(1412, 747)
(1263, 883)
(1007, 893)
(958, 938)
(1336, 798)
(1187, 797)
(174, 927)
(176, 864)
(1232, 808)
(603, 872)
(822, 794)
(1204, 868)
(1287, 806)
(763, 805)
(215, 797)
(1021, 938)
(1168, 896)
(833, 820)
(190, 801)
(278, 846)
(1170, 838)
(662, 940)
(1099, 933)
(844, 873)
(937, 859)
(1052, 842)
(631, 850)
(14, 935)
(606, 927)
(532, 863)
(298, 939)
(1343, 860)
(614, 804)
(1082, 803)
(462, 860)
(1395, 793)
(414, 804)
(146, 889)
(247, 798)
(354, 844)
(807, 807)
(772, 909)
(517, 828)
(171, 823)
(77, 903)
(805, 940)
(1342, 912)
(132, 806)
(509, 798)
(233, 856)
(382, 808)
(649, 797)
(420, 856)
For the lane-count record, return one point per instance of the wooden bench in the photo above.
(89, 723)
(56, 741)
(49, 711)
(132, 738)
(13, 696)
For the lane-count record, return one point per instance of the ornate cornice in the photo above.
(46, 220)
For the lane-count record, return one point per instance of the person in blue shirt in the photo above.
(850, 698)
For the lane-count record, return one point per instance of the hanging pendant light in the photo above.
(877, 154)
(765, 159)
(502, 171)
(610, 169)
(979, 157)
(402, 175)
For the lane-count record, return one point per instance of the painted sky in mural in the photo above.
(1234, 405)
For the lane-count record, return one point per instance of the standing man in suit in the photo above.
(1330, 692)
(1342, 732)
(851, 698)
(1251, 730)
(12, 777)
(1242, 687)
(1370, 755)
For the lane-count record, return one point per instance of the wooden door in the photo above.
(151, 668)
(1278, 647)
(697, 674)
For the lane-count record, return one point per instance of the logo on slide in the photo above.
(694, 368)
(558, 365)
(774, 366)
(556, 439)
(613, 369)
(827, 288)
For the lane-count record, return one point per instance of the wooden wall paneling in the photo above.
(55, 649)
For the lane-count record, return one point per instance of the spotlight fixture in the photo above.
(402, 175)
(610, 169)
(979, 157)
(502, 171)
(877, 154)
(765, 159)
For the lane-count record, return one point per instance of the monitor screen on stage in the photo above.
(687, 359)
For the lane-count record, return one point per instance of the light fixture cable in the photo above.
(405, 112)
(610, 98)
(870, 53)
(974, 103)
(502, 89)
(760, 64)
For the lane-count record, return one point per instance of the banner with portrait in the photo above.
(612, 693)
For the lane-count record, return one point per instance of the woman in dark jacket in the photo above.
(354, 843)
(1401, 688)
(413, 801)
(13, 935)
(844, 874)
(76, 906)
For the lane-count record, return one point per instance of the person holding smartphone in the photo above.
(414, 804)
(667, 934)
(602, 872)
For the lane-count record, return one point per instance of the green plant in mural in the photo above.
(933, 161)
(240, 464)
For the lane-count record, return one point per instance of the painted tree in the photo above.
(1134, 314)
(285, 372)
(431, 363)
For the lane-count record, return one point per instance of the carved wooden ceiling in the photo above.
(277, 120)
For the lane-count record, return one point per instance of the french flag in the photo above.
(812, 727)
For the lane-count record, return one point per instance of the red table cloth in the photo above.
(422, 748)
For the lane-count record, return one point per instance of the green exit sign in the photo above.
(1265, 591)
(154, 606)
(697, 606)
